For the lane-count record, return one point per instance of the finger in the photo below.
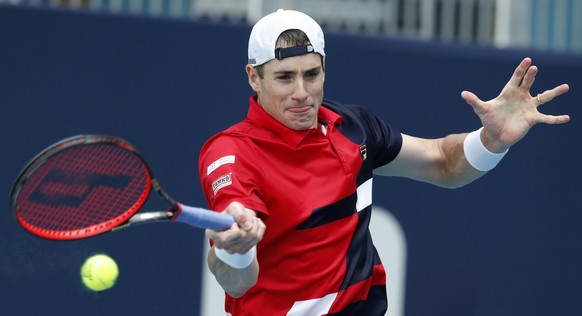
(529, 78)
(225, 238)
(253, 237)
(472, 99)
(519, 73)
(247, 239)
(242, 217)
(549, 95)
(553, 119)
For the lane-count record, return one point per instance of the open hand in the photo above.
(508, 118)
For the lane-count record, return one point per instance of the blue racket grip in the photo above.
(203, 218)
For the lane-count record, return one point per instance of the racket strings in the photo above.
(84, 188)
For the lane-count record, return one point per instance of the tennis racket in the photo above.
(91, 184)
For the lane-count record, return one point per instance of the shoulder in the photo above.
(357, 115)
(229, 139)
(361, 125)
(351, 110)
(241, 140)
(361, 117)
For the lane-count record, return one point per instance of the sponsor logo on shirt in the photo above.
(222, 182)
(219, 162)
(363, 152)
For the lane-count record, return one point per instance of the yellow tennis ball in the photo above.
(99, 272)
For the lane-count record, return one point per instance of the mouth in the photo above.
(299, 109)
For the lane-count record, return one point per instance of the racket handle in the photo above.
(203, 218)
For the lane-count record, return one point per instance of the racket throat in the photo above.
(143, 218)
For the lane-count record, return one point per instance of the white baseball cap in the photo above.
(266, 31)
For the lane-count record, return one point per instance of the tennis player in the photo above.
(297, 176)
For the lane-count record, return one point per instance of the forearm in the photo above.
(455, 170)
(234, 281)
(441, 162)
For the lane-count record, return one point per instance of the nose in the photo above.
(299, 92)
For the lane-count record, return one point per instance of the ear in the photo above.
(323, 67)
(253, 78)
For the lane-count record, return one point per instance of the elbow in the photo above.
(238, 293)
(457, 175)
(235, 282)
(453, 180)
(452, 185)
(241, 288)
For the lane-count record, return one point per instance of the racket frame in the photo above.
(128, 218)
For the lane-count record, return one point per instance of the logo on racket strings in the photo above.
(61, 187)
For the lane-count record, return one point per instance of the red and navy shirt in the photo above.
(313, 191)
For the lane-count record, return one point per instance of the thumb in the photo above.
(245, 221)
(470, 98)
(243, 218)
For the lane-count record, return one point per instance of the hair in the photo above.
(288, 38)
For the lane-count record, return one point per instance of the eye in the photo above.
(312, 74)
(283, 76)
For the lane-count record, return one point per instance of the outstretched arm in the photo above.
(506, 120)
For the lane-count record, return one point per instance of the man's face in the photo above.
(291, 89)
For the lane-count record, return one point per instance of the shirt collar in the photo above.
(258, 115)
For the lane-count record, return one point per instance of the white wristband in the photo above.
(478, 156)
(236, 260)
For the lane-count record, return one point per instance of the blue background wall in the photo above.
(507, 244)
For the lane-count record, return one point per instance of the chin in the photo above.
(302, 126)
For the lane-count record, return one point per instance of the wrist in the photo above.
(236, 260)
(490, 142)
(478, 155)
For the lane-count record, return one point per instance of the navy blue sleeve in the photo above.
(383, 141)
